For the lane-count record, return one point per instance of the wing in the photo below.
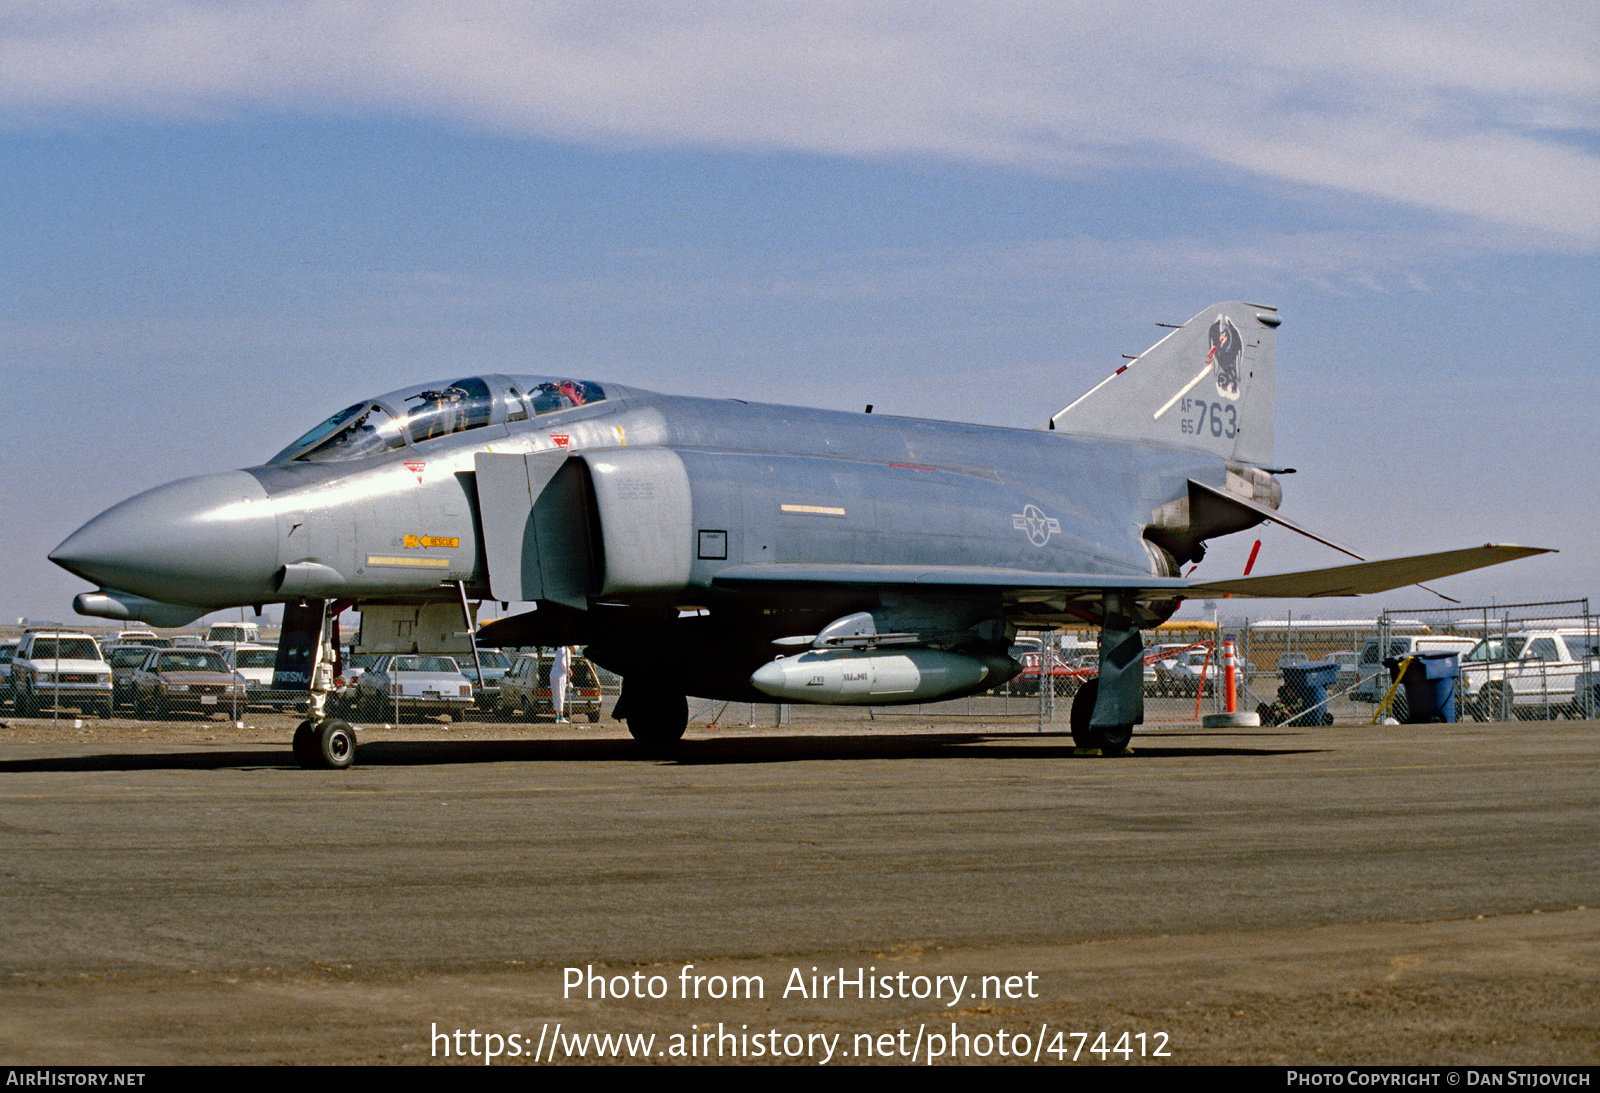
(1066, 598)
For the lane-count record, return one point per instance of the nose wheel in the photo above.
(328, 744)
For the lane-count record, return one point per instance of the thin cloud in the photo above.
(1481, 111)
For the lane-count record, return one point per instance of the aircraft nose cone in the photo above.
(211, 540)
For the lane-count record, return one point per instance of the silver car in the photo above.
(415, 684)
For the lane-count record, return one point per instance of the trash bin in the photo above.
(1309, 684)
(1430, 686)
(1305, 687)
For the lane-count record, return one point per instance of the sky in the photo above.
(222, 221)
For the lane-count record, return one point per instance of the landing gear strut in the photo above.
(1106, 708)
(320, 741)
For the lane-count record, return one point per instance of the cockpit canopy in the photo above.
(426, 412)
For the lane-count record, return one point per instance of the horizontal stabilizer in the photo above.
(1365, 577)
(1262, 512)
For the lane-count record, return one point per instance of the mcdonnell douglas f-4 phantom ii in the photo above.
(736, 550)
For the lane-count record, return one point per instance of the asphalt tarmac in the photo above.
(1352, 894)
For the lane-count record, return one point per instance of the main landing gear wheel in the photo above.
(1110, 739)
(657, 719)
(328, 744)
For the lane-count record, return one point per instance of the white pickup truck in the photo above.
(1531, 675)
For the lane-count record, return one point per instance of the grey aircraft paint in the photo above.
(690, 543)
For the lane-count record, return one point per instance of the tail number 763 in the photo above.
(1217, 418)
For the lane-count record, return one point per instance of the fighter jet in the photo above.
(737, 550)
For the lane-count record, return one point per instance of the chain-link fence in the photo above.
(1522, 662)
(1531, 661)
(1516, 662)
(1301, 671)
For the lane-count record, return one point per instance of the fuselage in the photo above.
(665, 495)
(772, 484)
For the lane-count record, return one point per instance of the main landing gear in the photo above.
(1109, 739)
(657, 715)
(1106, 708)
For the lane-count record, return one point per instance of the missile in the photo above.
(877, 677)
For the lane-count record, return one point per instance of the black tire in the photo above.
(336, 745)
(1082, 710)
(304, 744)
(1490, 703)
(1110, 739)
(657, 719)
(27, 705)
(594, 716)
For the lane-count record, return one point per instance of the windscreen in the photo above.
(64, 649)
(190, 662)
(425, 412)
(356, 432)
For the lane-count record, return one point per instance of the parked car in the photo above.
(1586, 687)
(8, 650)
(233, 633)
(195, 681)
(1186, 673)
(1158, 663)
(486, 693)
(1349, 668)
(1066, 670)
(124, 661)
(255, 664)
(147, 638)
(55, 668)
(351, 668)
(1530, 675)
(415, 684)
(526, 688)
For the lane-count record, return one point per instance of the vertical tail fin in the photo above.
(1209, 385)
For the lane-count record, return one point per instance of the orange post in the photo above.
(1227, 676)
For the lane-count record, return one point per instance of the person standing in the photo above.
(560, 670)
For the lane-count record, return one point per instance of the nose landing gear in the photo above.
(306, 654)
